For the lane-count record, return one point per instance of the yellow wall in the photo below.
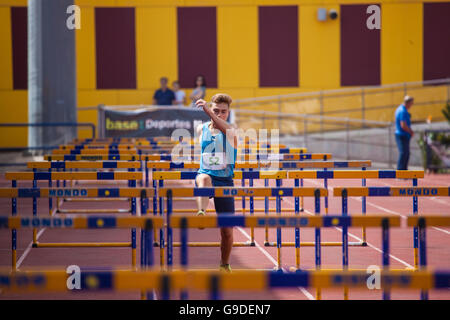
(237, 45)
(319, 49)
(156, 42)
(13, 103)
(401, 42)
(237, 40)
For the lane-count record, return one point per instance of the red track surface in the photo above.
(260, 257)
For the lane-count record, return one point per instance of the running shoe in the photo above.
(201, 213)
(225, 267)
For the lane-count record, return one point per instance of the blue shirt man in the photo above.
(402, 114)
(164, 96)
(403, 132)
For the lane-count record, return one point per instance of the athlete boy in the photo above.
(218, 140)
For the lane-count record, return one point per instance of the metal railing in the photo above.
(363, 103)
(343, 137)
(89, 125)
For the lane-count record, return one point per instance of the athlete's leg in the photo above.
(203, 180)
(226, 244)
(225, 206)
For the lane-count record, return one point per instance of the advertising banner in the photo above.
(154, 122)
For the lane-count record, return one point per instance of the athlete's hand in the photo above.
(200, 103)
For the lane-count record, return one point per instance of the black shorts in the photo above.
(223, 205)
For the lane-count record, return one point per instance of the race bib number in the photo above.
(214, 161)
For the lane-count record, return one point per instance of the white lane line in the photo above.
(360, 240)
(380, 251)
(398, 214)
(438, 200)
(28, 249)
(442, 230)
(268, 255)
(401, 215)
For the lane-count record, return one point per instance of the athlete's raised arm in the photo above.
(219, 113)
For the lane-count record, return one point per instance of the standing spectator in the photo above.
(180, 95)
(200, 89)
(403, 132)
(163, 96)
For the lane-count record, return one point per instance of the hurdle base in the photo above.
(312, 244)
(364, 244)
(156, 244)
(356, 269)
(87, 211)
(247, 210)
(94, 199)
(81, 244)
(214, 244)
(237, 198)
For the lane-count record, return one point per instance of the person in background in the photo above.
(403, 132)
(180, 95)
(199, 91)
(163, 96)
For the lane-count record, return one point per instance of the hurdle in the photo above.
(97, 146)
(239, 191)
(84, 149)
(161, 139)
(282, 165)
(214, 282)
(296, 175)
(131, 177)
(346, 278)
(105, 157)
(75, 165)
(414, 192)
(262, 164)
(157, 157)
(94, 151)
(34, 193)
(363, 175)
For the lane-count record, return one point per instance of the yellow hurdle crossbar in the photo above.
(94, 151)
(265, 164)
(98, 146)
(73, 176)
(393, 191)
(144, 222)
(176, 192)
(196, 157)
(242, 191)
(84, 165)
(300, 174)
(356, 174)
(429, 220)
(56, 280)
